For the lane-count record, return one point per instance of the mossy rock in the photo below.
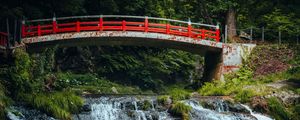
(146, 105)
(180, 109)
(164, 100)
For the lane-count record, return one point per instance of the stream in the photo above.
(145, 108)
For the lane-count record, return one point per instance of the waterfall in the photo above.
(200, 113)
(256, 115)
(133, 108)
(122, 108)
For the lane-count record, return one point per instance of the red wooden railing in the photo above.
(42, 27)
(3, 39)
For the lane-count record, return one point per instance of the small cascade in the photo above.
(221, 106)
(23, 113)
(152, 105)
(135, 105)
(122, 108)
(200, 113)
(256, 115)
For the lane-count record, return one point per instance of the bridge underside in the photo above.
(210, 49)
(125, 38)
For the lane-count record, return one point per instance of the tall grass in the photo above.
(57, 104)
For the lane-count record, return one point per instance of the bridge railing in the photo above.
(42, 27)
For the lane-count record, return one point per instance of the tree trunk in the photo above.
(231, 23)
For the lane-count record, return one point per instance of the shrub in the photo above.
(20, 73)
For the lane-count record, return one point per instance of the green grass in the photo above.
(58, 104)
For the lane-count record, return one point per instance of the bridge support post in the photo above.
(217, 34)
(233, 56)
(146, 24)
(101, 23)
(190, 28)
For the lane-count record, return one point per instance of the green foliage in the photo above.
(20, 73)
(179, 94)
(149, 68)
(58, 104)
(43, 63)
(65, 80)
(282, 21)
(91, 83)
(277, 109)
(180, 109)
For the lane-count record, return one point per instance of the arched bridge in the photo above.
(197, 38)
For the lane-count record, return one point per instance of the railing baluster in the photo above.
(39, 30)
(54, 26)
(101, 23)
(146, 24)
(189, 30)
(203, 32)
(124, 25)
(77, 26)
(168, 29)
(217, 34)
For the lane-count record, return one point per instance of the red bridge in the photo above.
(198, 38)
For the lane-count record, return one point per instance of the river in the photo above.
(133, 108)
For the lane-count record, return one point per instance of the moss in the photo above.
(179, 94)
(277, 109)
(58, 104)
(180, 109)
